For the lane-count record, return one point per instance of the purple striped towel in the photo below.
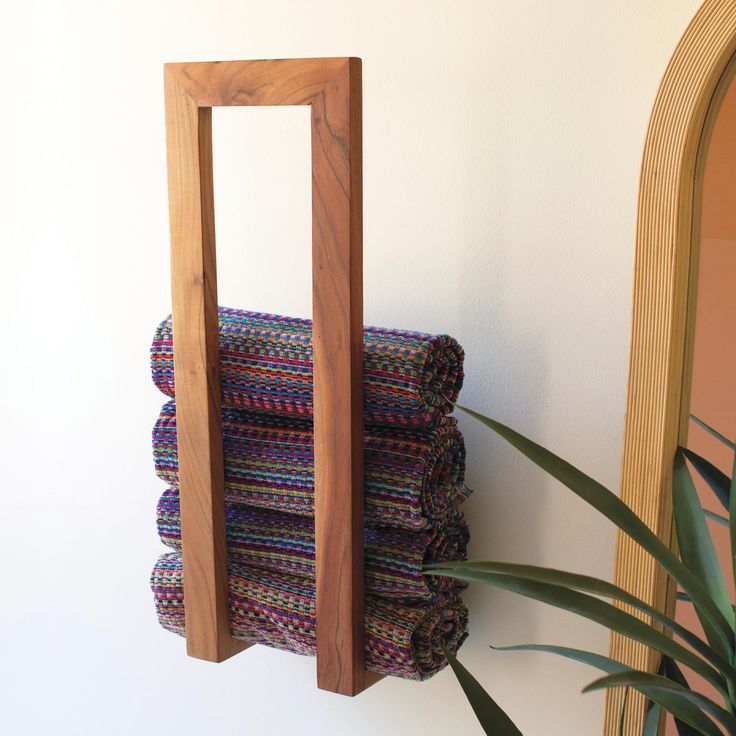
(278, 610)
(411, 379)
(411, 477)
(273, 540)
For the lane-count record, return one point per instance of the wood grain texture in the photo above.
(332, 88)
(196, 366)
(659, 323)
(337, 311)
(261, 82)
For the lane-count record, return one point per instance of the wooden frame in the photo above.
(332, 89)
(658, 365)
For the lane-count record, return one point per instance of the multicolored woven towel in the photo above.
(272, 540)
(411, 477)
(411, 379)
(278, 610)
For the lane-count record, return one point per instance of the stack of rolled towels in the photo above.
(414, 460)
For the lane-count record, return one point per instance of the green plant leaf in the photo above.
(732, 517)
(683, 703)
(716, 479)
(599, 611)
(722, 520)
(622, 717)
(590, 585)
(651, 720)
(693, 537)
(717, 627)
(490, 715)
(600, 661)
(713, 432)
(684, 729)
(686, 598)
(668, 668)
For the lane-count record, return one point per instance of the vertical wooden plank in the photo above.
(337, 272)
(196, 366)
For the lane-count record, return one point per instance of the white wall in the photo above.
(502, 148)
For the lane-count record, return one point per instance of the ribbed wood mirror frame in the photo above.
(658, 372)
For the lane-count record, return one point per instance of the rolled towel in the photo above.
(411, 476)
(411, 379)
(278, 610)
(262, 538)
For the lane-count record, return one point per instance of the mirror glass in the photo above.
(712, 334)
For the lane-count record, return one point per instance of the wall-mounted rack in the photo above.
(332, 89)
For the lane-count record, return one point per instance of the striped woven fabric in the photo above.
(278, 610)
(262, 538)
(411, 477)
(411, 379)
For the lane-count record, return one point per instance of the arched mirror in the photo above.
(709, 380)
(683, 343)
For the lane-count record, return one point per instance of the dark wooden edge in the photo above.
(332, 89)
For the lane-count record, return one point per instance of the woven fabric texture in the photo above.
(411, 379)
(411, 477)
(272, 540)
(278, 610)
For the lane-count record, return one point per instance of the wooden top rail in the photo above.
(332, 88)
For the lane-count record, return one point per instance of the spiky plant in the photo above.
(696, 571)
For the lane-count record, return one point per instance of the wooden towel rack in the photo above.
(332, 89)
